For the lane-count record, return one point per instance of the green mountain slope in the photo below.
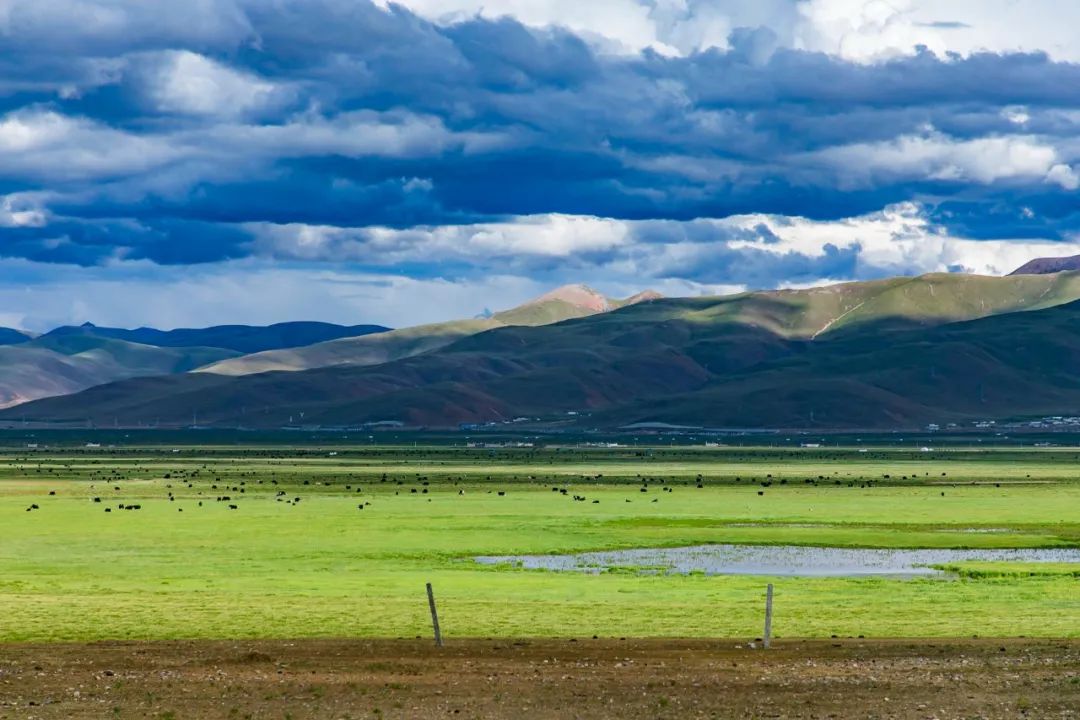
(894, 302)
(881, 354)
(366, 350)
(571, 301)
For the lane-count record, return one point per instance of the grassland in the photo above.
(322, 567)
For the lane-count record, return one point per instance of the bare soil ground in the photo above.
(543, 679)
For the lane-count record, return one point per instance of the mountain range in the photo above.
(238, 338)
(72, 358)
(900, 352)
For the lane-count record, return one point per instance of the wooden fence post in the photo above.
(768, 616)
(435, 615)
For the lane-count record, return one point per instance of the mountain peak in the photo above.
(578, 295)
(1046, 266)
(586, 298)
(643, 296)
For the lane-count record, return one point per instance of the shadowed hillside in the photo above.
(1010, 365)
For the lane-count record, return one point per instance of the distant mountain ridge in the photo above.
(8, 336)
(72, 358)
(1044, 266)
(67, 363)
(238, 338)
(898, 352)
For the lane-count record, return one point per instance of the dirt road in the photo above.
(543, 679)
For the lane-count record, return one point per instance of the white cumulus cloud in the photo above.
(42, 143)
(21, 210)
(898, 240)
(859, 30)
(186, 82)
(937, 157)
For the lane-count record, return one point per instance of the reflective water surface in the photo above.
(778, 560)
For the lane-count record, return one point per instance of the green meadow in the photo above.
(276, 567)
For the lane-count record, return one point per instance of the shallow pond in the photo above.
(778, 560)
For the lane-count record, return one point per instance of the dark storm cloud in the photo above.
(167, 241)
(161, 132)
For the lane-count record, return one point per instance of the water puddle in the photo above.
(790, 560)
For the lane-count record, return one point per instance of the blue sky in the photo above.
(178, 164)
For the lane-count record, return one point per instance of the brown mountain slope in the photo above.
(1045, 266)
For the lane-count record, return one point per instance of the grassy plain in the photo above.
(322, 567)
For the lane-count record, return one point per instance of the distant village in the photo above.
(1050, 422)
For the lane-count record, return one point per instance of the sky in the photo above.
(363, 161)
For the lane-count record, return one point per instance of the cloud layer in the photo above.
(697, 144)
